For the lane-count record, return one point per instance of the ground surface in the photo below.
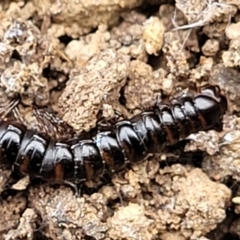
(81, 57)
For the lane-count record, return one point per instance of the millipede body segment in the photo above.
(80, 159)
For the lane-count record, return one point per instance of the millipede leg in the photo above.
(105, 124)
(18, 116)
(4, 111)
(41, 125)
(52, 124)
(75, 188)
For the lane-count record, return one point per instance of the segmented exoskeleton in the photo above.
(128, 140)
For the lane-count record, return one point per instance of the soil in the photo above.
(84, 59)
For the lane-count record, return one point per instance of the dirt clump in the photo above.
(85, 59)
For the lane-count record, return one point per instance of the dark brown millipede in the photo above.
(129, 140)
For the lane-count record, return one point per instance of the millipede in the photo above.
(79, 159)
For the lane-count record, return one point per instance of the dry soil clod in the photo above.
(78, 57)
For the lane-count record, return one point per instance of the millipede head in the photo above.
(211, 105)
(214, 92)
